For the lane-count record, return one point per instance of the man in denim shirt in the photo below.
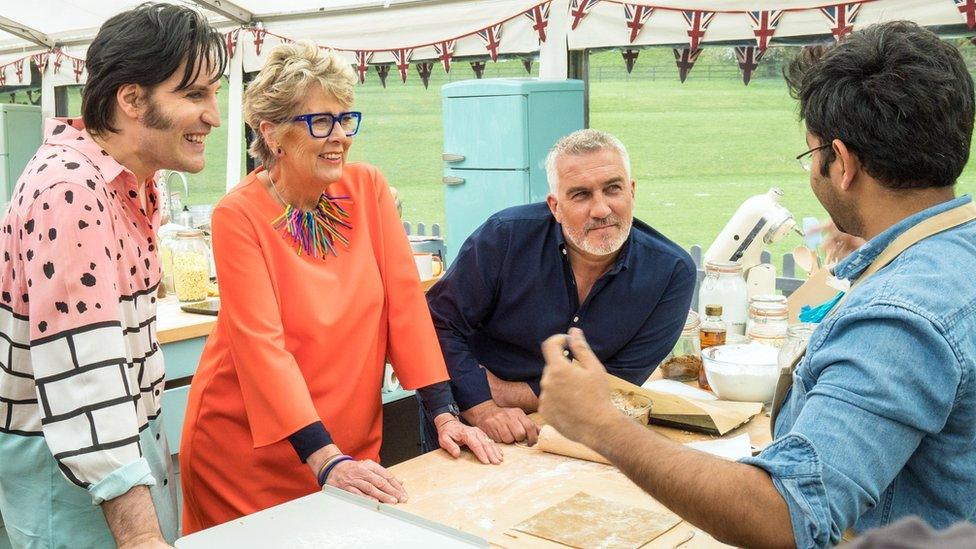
(880, 422)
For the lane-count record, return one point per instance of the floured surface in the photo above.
(488, 500)
(586, 521)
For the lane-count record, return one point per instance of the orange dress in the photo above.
(299, 339)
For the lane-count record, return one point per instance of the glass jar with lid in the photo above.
(191, 265)
(724, 285)
(768, 320)
(684, 362)
(797, 337)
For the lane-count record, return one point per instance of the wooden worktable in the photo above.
(173, 324)
(487, 500)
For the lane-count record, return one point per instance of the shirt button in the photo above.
(575, 319)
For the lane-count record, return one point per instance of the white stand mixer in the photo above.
(760, 221)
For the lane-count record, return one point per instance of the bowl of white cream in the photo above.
(743, 372)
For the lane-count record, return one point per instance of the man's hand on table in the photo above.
(506, 425)
(575, 399)
(452, 434)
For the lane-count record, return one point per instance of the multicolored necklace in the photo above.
(313, 232)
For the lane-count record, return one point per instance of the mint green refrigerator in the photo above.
(497, 133)
(20, 136)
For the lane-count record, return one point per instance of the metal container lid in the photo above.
(713, 310)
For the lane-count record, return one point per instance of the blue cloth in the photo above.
(880, 422)
(511, 287)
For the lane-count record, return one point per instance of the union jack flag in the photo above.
(259, 35)
(383, 71)
(685, 59)
(748, 57)
(58, 59)
(578, 9)
(630, 58)
(539, 16)
(362, 64)
(764, 26)
(402, 57)
(19, 70)
(40, 61)
(479, 68)
(3, 76)
(841, 18)
(445, 50)
(698, 22)
(79, 66)
(424, 69)
(492, 37)
(636, 16)
(968, 9)
(231, 40)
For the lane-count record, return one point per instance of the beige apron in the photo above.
(931, 226)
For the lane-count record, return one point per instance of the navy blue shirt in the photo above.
(512, 286)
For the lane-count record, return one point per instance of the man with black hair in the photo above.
(83, 458)
(878, 420)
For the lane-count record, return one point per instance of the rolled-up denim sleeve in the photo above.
(797, 473)
(865, 402)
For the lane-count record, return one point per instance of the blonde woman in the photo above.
(318, 285)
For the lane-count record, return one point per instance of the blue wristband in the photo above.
(325, 474)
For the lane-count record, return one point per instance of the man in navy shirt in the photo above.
(579, 260)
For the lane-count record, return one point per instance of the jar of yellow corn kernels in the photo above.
(191, 265)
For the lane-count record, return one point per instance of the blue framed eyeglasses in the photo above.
(320, 124)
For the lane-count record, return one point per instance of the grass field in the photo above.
(697, 149)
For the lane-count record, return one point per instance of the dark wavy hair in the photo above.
(145, 46)
(897, 96)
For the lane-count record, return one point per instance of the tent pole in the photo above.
(48, 100)
(235, 118)
(553, 54)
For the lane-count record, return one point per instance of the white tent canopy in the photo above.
(53, 35)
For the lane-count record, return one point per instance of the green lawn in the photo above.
(698, 149)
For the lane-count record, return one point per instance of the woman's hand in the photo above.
(452, 434)
(367, 478)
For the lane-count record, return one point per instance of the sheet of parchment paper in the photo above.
(586, 522)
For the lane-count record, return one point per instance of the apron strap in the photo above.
(934, 225)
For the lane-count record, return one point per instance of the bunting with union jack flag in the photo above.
(492, 37)
(79, 66)
(841, 17)
(445, 51)
(685, 59)
(748, 58)
(19, 70)
(578, 10)
(40, 61)
(402, 57)
(636, 16)
(479, 69)
(362, 64)
(383, 71)
(968, 10)
(698, 22)
(764, 26)
(424, 69)
(630, 58)
(539, 15)
(259, 35)
(230, 39)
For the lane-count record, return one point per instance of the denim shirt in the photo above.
(880, 422)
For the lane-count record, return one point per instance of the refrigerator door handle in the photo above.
(452, 158)
(451, 180)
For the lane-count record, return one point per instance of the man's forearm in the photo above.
(132, 518)
(734, 502)
(513, 394)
